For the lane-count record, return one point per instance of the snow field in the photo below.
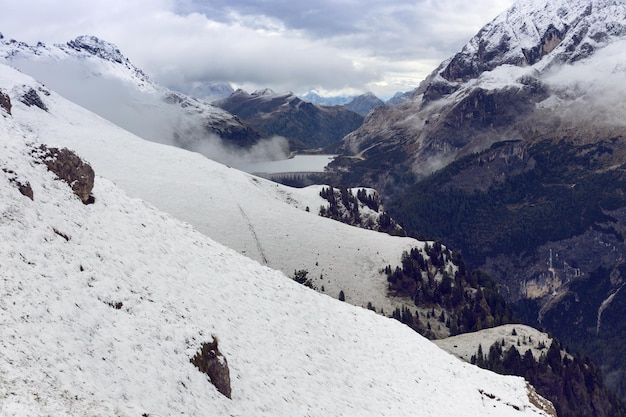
(66, 349)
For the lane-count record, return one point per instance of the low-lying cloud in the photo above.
(213, 147)
(592, 91)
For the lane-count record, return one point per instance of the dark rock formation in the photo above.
(5, 102)
(31, 98)
(69, 167)
(209, 360)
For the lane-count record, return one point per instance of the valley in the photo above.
(489, 199)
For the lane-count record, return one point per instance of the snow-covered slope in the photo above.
(258, 218)
(524, 338)
(103, 305)
(94, 74)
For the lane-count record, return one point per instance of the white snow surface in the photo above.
(258, 218)
(65, 351)
(465, 345)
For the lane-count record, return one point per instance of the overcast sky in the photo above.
(331, 46)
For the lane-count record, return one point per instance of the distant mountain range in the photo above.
(361, 104)
(304, 124)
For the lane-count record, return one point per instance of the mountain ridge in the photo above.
(306, 125)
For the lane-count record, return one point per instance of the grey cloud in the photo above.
(376, 45)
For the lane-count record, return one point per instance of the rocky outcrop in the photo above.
(70, 168)
(32, 98)
(209, 360)
(5, 102)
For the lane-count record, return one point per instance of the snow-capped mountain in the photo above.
(531, 73)
(306, 125)
(94, 74)
(105, 305)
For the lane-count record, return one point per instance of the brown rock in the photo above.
(209, 360)
(5, 102)
(69, 167)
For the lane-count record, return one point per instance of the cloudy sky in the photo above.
(331, 46)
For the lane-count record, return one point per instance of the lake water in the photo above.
(299, 163)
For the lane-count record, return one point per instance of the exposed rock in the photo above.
(209, 360)
(69, 167)
(22, 185)
(5, 102)
(31, 98)
(98, 47)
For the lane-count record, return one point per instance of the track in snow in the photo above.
(256, 238)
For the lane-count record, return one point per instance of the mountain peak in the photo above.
(98, 47)
(264, 92)
(539, 33)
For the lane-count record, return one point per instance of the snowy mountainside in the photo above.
(103, 305)
(499, 86)
(94, 74)
(539, 31)
(263, 220)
